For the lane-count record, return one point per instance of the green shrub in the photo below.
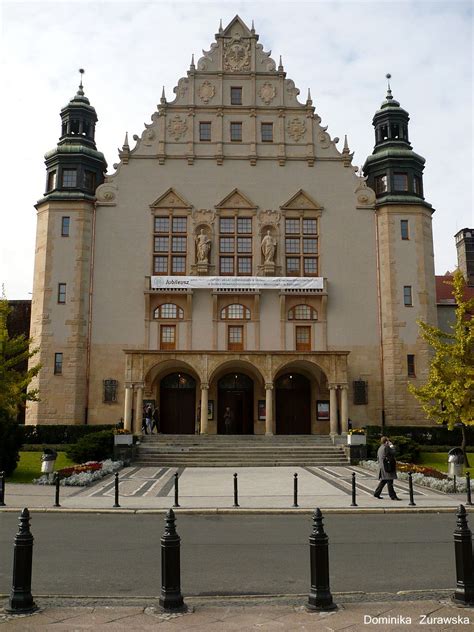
(424, 435)
(93, 447)
(408, 450)
(60, 434)
(10, 443)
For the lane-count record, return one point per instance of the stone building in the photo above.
(235, 259)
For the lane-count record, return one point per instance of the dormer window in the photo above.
(400, 182)
(381, 184)
(69, 178)
(236, 95)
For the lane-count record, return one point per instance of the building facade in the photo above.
(234, 260)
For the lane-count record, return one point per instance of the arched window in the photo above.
(302, 312)
(235, 312)
(168, 310)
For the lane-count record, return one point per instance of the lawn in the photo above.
(29, 466)
(439, 461)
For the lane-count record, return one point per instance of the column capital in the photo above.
(204, 386)
(268, 386)
(140, 385)
(332, 387)
(343, 387)
(128, 385)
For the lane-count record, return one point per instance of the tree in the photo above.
(14, 382)
(448, 395)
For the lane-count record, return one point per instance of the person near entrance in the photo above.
(228, 420)
(156, 420)
(387, 468)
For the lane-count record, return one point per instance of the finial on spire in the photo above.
(220, 26)
(126, 146)
(163, 96)
(280, 65)
(81, 90)
(252, 30)
(192, 66)
(388, 76)
(309, 100)
(346, 146)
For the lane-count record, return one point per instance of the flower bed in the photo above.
(425, 476)
(82, 475)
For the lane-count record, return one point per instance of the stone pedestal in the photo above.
(269, 268)
(202, 267)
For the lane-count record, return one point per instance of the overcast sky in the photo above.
(341, 50)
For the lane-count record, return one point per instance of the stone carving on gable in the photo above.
(203, 216)
(206, 91)
(365, 196)
(235, 199)
(237, 54)
(181, 88)
(268, 217)
(208, 57)
(171, 199)
(267, 92)
(324, 138)
(291, 88)
(301, 201)
(266, 61)
(177, 127)
(106, 194)
(296, 128)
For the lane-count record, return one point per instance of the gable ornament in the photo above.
(237, 54)
(296, 128)
(267, 92)
(177, 127)
(206, 91)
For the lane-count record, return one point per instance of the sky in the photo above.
(130, 50)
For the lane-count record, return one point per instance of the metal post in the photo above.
(171, 597)
(56, 497)
(454, 484)
(176, 490)
(353, 503)
(236, 492)
(21, 599)
(320, 597)
(116, 504)
(410, 489)
(295, 490)
(468, 489)
(464, 593)
(2, 489)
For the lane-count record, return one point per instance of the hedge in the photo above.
(93, 447)
(424, 435)
(10, 443)
(60, 434)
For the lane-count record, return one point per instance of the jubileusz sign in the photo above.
(230, 283)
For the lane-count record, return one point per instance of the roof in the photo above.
(444, 291)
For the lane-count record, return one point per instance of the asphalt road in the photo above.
(107, 555)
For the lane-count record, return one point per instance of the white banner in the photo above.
(241, 283)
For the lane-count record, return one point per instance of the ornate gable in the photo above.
(235, 200)
(171, 199)
(301, 201)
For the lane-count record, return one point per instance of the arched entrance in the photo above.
(235, 391)
(177, 404)
(293, 404)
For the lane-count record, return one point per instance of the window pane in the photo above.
(381, 184)
(179, 244)
(65, 223)
(417, 185)
(160, 265)
(168, 310)
(226, 225)
(89, 180)
(267, 132)
(58, 363)
(178, 265)
(204, 131)
(407, 297)
(69, 177)
(404, 228)
(235, 334)
(61, 292)
(244, 244)
(310, 226)
(292, 226)
(161, 244)
(51, 180)
(167, 333)
(310, 246)
(162, 224)
(292, 266)
(179, 224)
(226, 244)
(292, 245)
(400, 182)
(110, 390)
(227, 265)
(234, 311)
(244, 225)
(236, 131)
(411, 365)
(244, 265)
(302, 312)
(302, 334)
(236, 96)
(310, 265)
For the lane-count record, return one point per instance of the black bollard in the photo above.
(410, 489)
(320, 597)
(353, 503)
(116, 504)
(57, 480)
(295, 490)
(464, 594)
(176, 490)
(236, 492)
(21, 599)
(2, 489)
(171, 597)
(468, 489)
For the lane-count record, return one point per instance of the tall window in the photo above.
(400, 182)
(235, 246)
(89, 180)
(168, 337)
(168, 310)
(381, 184)
(61, 292)
(236, 95)
(51, 180)
(65, 224)
(303, 338)
(110, 391)
(236, 131)
(301, 246)
(69, 178)
(235, 338)
(417, 187)
(235, 312)
(267, 132)
(169, 245)
(411, 365)
(407, 296)
(404, 229)
(58, 364)
(302, 312)
(205, 131)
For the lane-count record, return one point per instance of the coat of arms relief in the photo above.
(296, 128)
(267, 92)
(177, 127)
(237, 54)
(206, 91)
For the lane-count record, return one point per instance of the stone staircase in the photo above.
(238, 451)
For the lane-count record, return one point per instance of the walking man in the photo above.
(387, 468)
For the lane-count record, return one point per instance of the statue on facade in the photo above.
(203, 245)
(268, 248)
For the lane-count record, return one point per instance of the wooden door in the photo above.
(293, 405)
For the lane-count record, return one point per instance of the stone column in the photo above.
(269, 409)
(127, 413)
(333, 410)
(204, 401)
(344, 415)
(138, 411)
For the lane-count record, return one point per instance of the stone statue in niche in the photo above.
(203, 246)
(268, 248)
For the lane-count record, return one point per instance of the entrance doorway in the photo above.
(293, 404)
(177, 404)
(235, 391)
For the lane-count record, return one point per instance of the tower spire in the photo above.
(80, 92)
(389, 96)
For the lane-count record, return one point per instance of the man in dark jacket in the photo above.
(387, 474)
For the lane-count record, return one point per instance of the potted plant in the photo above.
(356, 436)
(123, 437)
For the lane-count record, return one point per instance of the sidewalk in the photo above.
(210, 490)
(242, 614)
